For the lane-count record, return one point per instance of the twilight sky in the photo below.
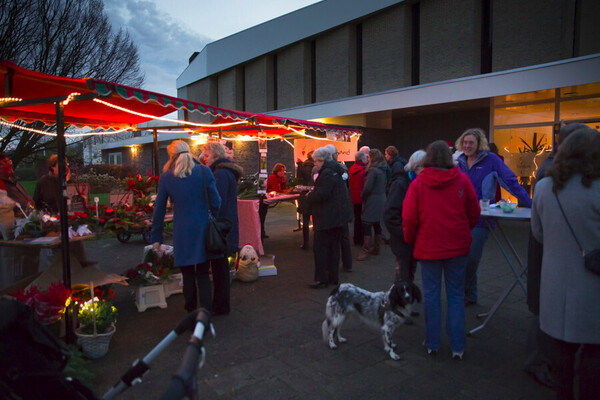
(167, 32)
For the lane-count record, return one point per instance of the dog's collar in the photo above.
(385, 306)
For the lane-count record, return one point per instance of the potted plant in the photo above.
(97, 325)
(148, 279)
(49, 305)
(526, 166)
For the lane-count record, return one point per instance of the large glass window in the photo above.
(523, 124)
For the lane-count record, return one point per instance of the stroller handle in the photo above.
(184, 380)
(197, 322)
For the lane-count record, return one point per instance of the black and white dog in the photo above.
(382, 310)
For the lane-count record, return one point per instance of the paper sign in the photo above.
(346, 150)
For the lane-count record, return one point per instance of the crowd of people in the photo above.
(430, 206)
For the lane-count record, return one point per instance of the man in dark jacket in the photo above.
(328, 203)
(227, 174)
(304, 173)
(342, 170)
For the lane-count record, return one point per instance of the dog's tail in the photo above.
(325, 330)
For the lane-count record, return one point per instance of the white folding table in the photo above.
(498, 216)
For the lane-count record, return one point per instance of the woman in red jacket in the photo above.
(439, 211)
(276, 182)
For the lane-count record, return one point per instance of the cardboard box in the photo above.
(267, 265)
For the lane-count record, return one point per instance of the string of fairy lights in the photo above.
(71, 96)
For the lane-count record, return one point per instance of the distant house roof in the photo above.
(289, 28)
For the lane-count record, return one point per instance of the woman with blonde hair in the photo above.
(485, 170)
(183, 182)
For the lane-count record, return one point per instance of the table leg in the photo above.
(494, 308)
(506, 256)
(488, 315)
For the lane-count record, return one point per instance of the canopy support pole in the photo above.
(155, 151)
(64, 220)
(8, 83)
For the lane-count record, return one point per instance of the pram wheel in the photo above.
(147, 235)
(123, 237)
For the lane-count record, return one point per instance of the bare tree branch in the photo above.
(71, 38)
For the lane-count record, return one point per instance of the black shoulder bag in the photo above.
(592, 258)
(215, 240)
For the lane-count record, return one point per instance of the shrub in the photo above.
(26, 174)
(118, 171)
(101, 183)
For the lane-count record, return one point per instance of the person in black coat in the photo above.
(47, 189)
(304, 173)
(328, 202)
(392, 217)
(227, 174)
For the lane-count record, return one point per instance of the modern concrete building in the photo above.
(410, 72)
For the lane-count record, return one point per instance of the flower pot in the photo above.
(150, 296)
(173, 285)
(95, 346)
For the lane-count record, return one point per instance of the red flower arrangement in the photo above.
(150, 273)
(103, 293)
(47, 306)
(142, 186)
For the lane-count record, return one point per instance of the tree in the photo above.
(71, 38)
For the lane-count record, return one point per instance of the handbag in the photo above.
(215, 239)
(591, 259)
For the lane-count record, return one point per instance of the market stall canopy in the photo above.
(101, 104)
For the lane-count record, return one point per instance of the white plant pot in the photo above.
(150, 296)
(173, 285)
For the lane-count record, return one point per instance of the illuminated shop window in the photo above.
(523, 124)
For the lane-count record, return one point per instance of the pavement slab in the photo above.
(270, 346)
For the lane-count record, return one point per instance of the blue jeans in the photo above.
(454, 278)
(479, 236)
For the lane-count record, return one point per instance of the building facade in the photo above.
(410, 72)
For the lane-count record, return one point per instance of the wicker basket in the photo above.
(95, 346)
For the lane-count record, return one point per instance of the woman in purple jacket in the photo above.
(486, 170)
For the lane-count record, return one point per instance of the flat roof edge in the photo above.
(570, 72)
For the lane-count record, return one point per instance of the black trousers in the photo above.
(563, 369)
(220, 275)
(326, 249)
(263, 208)
(306, 229)
(345, 248)
(358, 228)
(406, 265)
(196, 284)
(367, 228)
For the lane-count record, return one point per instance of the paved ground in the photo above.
(270, 346)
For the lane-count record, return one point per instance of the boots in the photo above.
(364, 254)
(376, 245)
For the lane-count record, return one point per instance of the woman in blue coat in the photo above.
(183, 183)
(485, 170)
(227, 174)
